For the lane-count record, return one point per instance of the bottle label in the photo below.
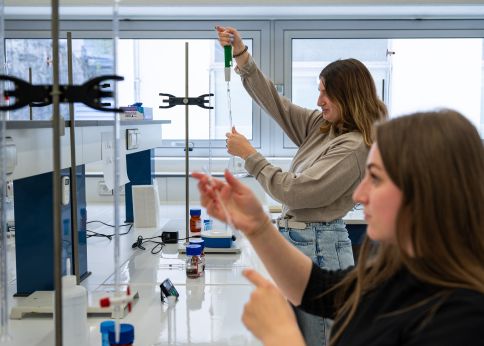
(195, 225)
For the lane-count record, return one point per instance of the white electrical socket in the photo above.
(102, 189)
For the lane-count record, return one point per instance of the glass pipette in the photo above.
(219, 200)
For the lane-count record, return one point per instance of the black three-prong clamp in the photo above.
(199, 101)
(89, 93)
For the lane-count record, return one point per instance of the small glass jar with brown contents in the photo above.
(194, 264)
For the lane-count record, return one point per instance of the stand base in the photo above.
(41, 302)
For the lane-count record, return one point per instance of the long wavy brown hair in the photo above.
(437, 160)
(350, 86)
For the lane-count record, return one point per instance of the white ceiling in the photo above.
(248, 9)
(222, 3)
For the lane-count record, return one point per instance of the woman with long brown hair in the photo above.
(333, 143)
(419, 279)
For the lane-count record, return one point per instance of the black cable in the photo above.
(155, 250)
(96, 234)
(193, 236)
(109, 236)
(106, 224)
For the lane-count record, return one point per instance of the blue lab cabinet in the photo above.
(140, 168)
(34, 236)
(356, 234)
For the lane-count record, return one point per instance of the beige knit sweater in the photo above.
(326, 168)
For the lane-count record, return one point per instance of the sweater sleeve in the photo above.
(294, 120)
(332, 175)
(320, 280)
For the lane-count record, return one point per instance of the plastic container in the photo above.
(126, 335)
(75, 330)
(195, 222)
(194, 265)
(201, 242)
(104, 328)
(217, 239)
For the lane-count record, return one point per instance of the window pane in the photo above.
(435, 73)
(310, 56)
(153, 66)
(91, 58)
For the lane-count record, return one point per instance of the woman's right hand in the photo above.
(228, 36)
(233, 198)
(268, 315)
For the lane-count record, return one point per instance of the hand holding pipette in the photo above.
(211, 186)
(232, 202)
(229, 36)
(238, 144)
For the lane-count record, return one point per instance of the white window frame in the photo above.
(257, 31)
(286, 31)
(271, 49)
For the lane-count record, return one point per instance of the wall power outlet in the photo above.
(103, 190)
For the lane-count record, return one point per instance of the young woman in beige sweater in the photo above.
(333, 144)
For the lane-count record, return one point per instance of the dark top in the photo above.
(456, 318)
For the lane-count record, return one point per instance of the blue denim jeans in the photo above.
(328, 245)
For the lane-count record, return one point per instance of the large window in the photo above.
(310, 56)
(151, 58)
(416, 65)
(153, 66)
(438, 72)
(411, 75)
(32, 58)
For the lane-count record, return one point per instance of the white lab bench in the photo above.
(30, 146)
(208, 311)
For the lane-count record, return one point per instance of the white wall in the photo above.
(172, 191)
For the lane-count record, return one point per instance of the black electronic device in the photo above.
(169, 237)
(167, 289)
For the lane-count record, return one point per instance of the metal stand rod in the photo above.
(187, 150)
(72, 130)
(4, 325)
(56, 174)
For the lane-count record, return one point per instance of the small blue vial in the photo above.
(104, 327)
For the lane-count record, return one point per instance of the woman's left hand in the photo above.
(268, 315)
(238, 145)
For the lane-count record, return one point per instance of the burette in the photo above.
(227, 71)
(117, 174)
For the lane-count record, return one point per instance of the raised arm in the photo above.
(294, 120)
(289, 268)
(228, 36)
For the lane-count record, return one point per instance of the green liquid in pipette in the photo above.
(228, 56)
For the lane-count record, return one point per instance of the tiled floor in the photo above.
(207, 313)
